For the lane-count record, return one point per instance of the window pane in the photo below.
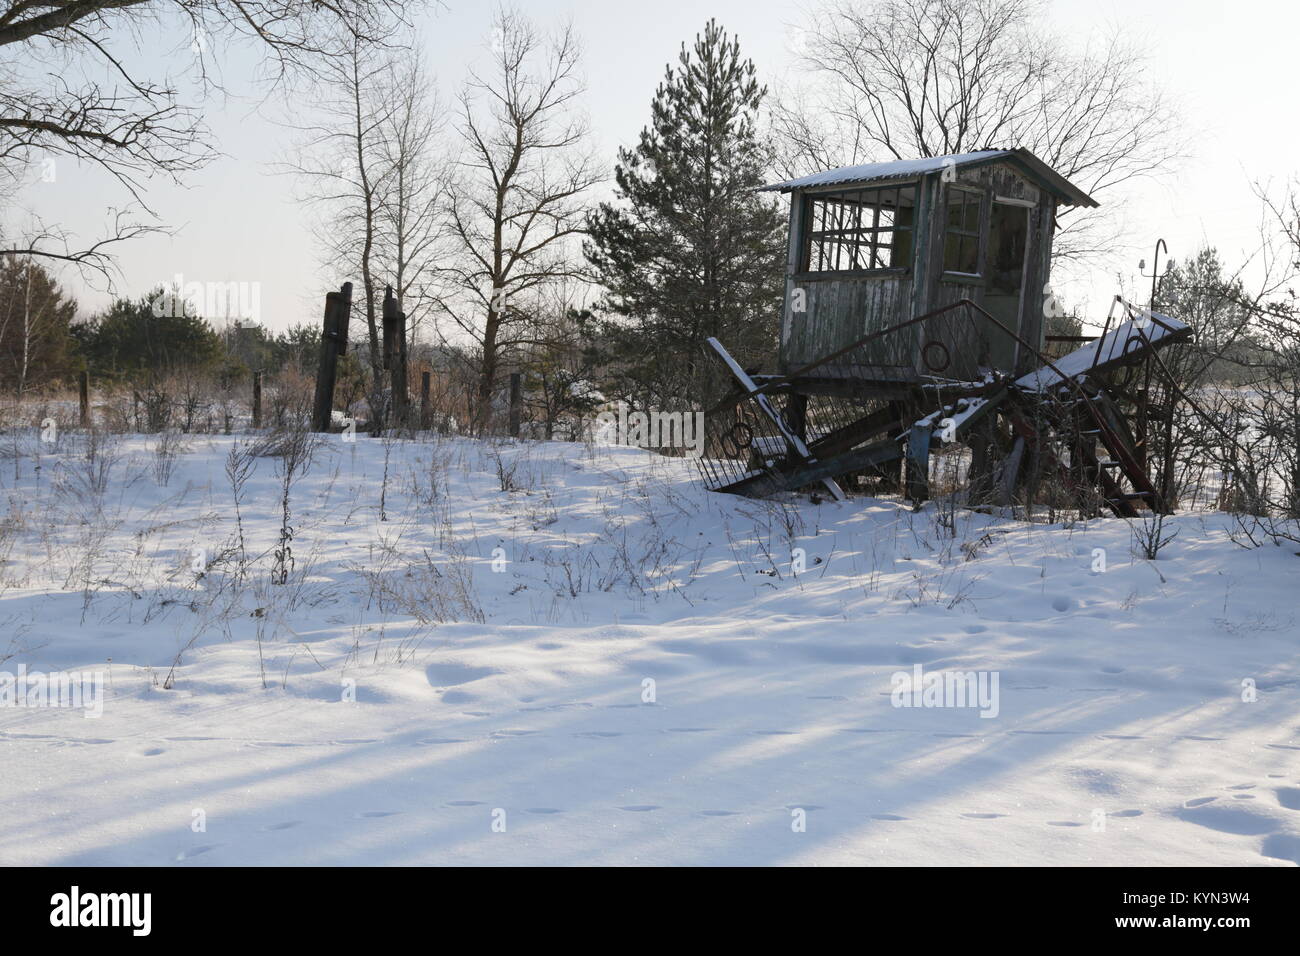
(951, 252)
(969, 254)
(972, 212)
(955, 198)
(858, 230)
(884, 249)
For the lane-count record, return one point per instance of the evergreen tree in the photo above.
(1217, 306)
(140, 339)
(35, 315)
(690, 250)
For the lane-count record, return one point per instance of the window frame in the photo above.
(978, 235)
(850, 236)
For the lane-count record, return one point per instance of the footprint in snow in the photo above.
(546, 810)
(1063, 823)
(195, 851)
(598, 733)
(1127, 813)
(640, 808)
(1289, 797)
(465, 803)
(1227, 819)
(689, 730)
(1199, 801)
(983, 816)
(152, 752)
(286, 825)
(1242, 786)
(719, 813)
(776, 733)
(513, 733)
(1281, 846)
(375, 814)
(892, 817)
(432, 741)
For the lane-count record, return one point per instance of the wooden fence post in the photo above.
(424, 400)
(395, 354)
(516, 402)
(257, 399)
(83, 384)
(333, 343)
(400, 381)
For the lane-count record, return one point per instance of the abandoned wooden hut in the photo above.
(875, 245)
(915, 312)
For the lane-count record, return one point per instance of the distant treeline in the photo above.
(44, 344)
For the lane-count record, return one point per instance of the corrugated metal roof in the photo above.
(1118, 344)
(911, 168)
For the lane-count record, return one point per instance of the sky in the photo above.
(1229, 67)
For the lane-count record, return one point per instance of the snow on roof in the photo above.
(1130, 336)
(909, 168)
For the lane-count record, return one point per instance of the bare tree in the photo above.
(71, 90)
(341, 166)
(515, 201)
(897, 79)
(412, 237)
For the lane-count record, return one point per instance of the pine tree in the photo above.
(690, 250)
(35, 315)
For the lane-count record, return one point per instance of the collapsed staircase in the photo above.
(1085, 422)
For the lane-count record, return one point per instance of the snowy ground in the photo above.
(637, 676)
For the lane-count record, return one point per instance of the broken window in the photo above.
(860, 231)
(961, 236)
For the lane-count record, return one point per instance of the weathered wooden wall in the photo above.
(842, 309)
